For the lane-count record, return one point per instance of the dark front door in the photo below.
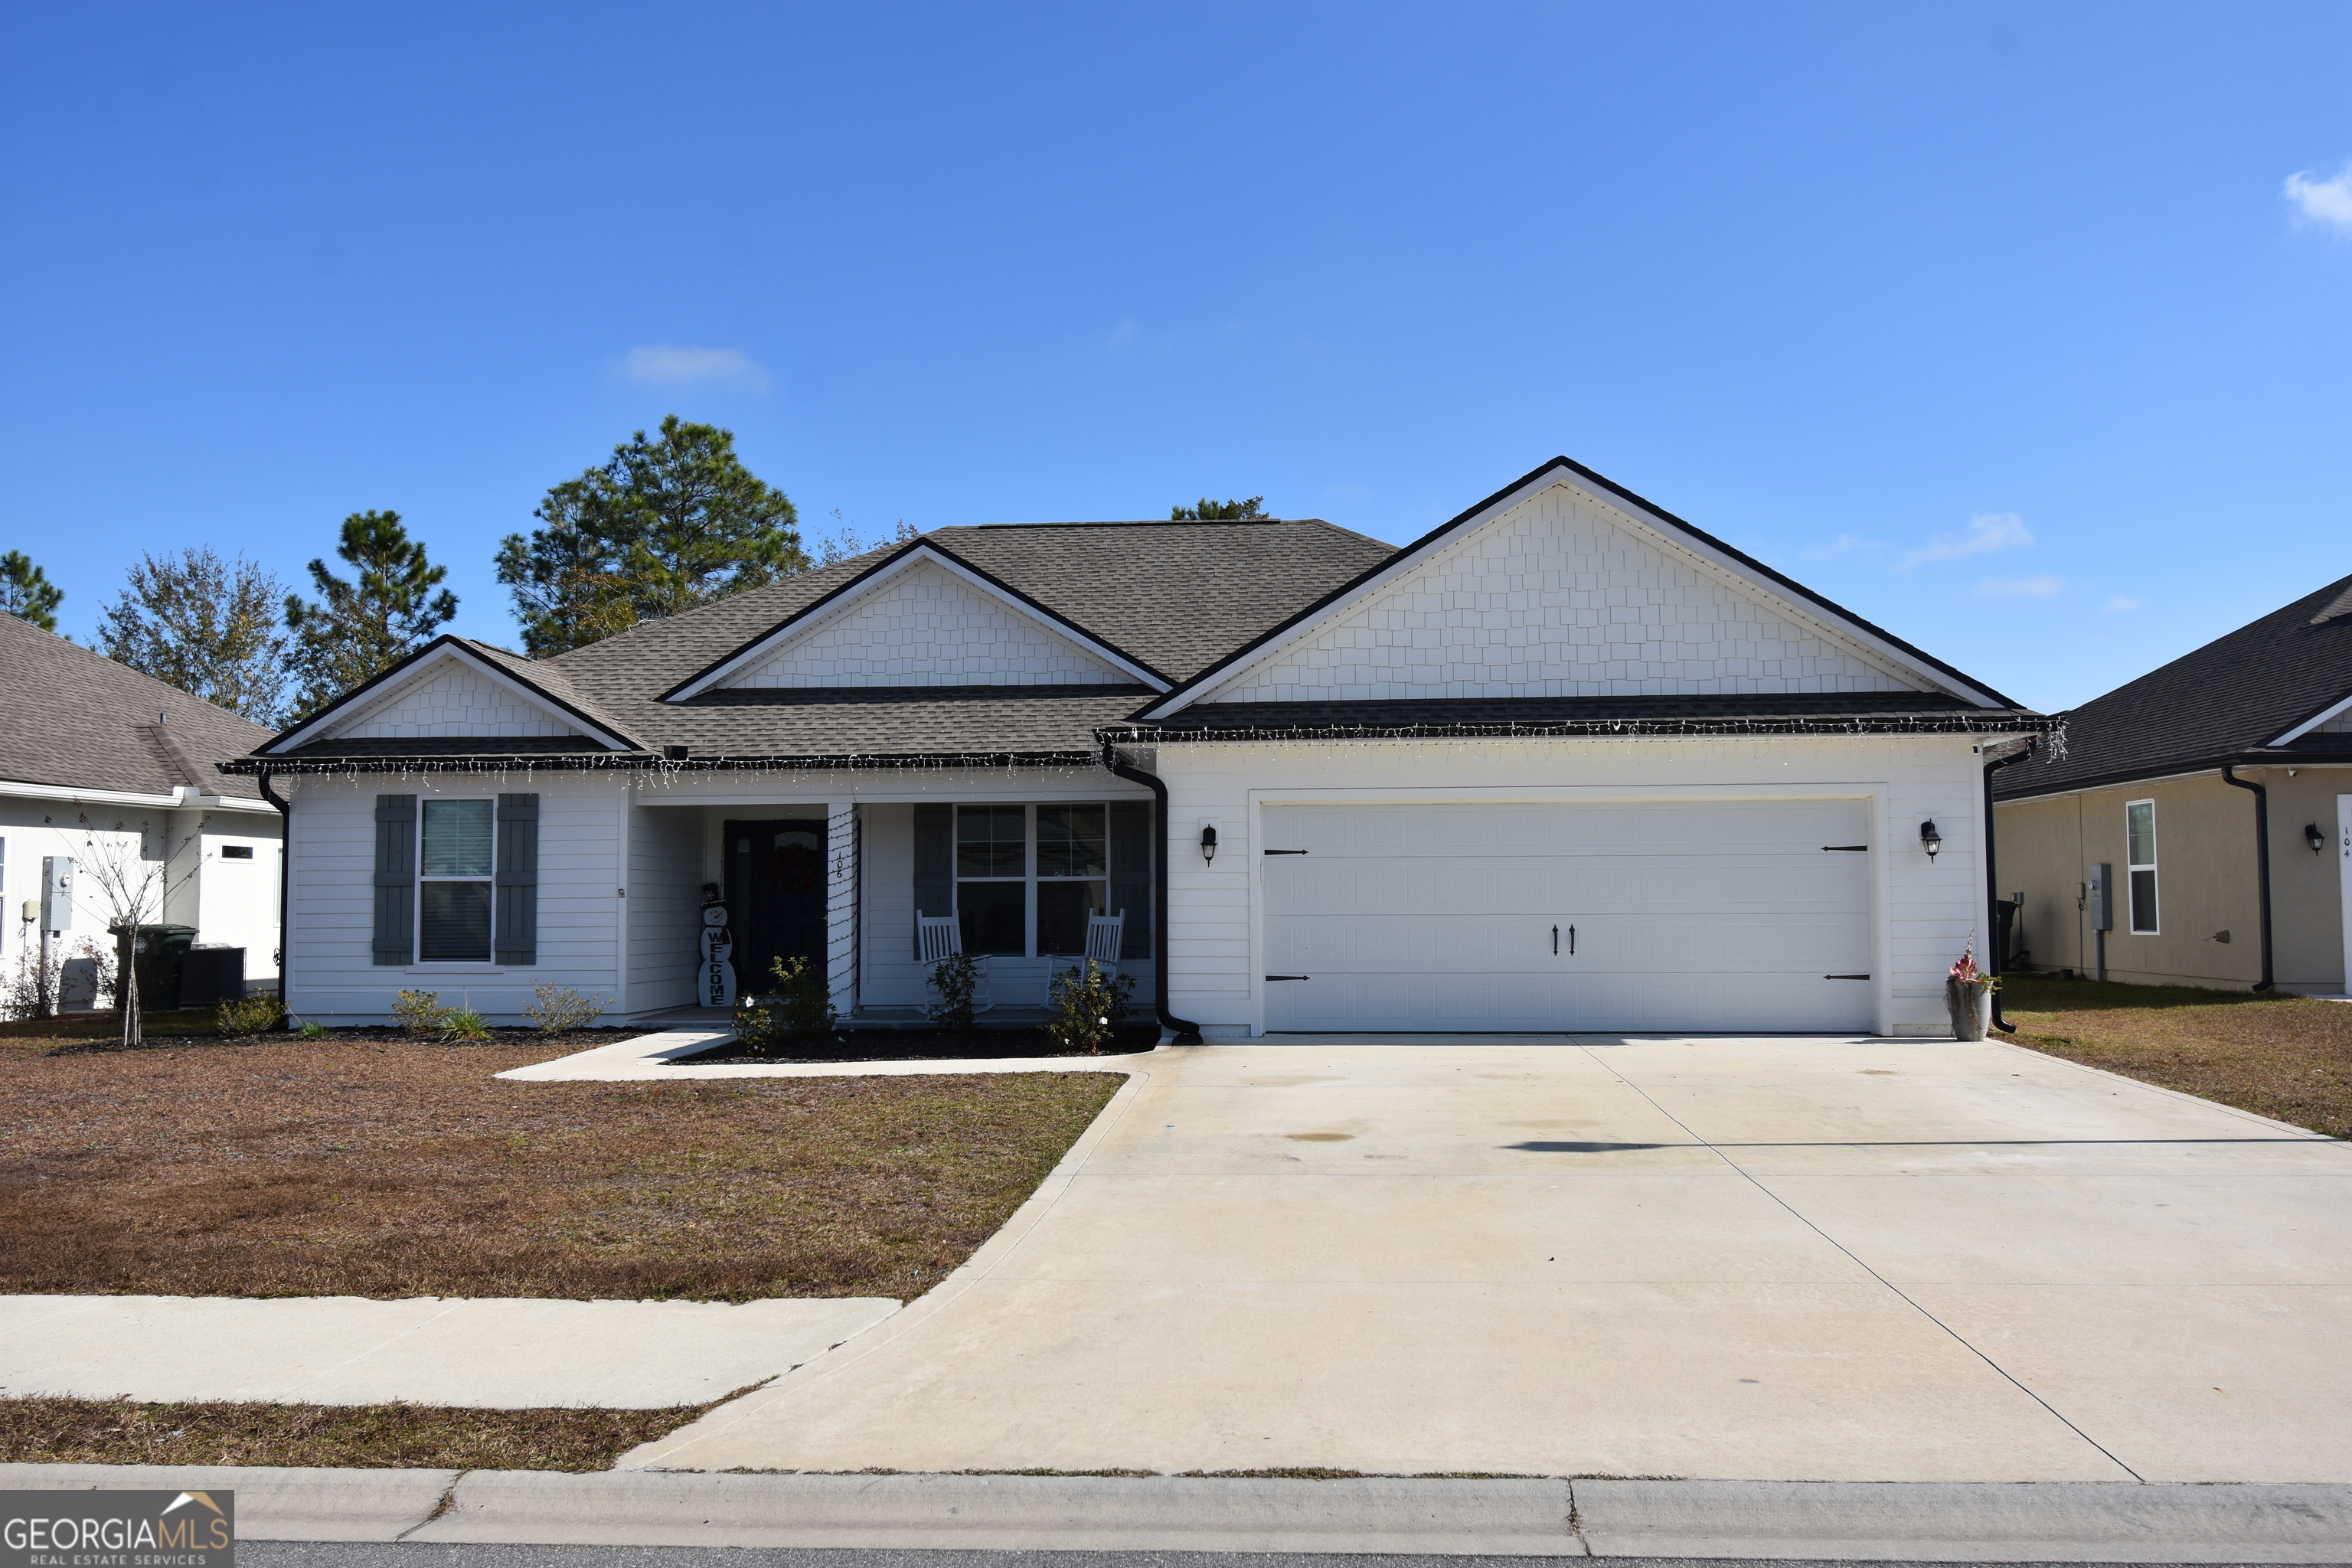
(775, 896)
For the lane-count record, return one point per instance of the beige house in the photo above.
(2217, 791)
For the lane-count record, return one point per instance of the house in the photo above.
(1565, 762)
(100, 762)
(2217, 793)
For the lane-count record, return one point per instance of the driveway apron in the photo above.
(1773, 1259)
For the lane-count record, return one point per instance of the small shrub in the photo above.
(798, 1012)
(419, 1012)
(250, 1016)
(1087, 1006)
(559, 1009)
(464, 1024)
(954, 979)
(313, 1030)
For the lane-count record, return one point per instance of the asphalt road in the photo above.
(345, 1555)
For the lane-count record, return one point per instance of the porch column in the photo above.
(841, 904)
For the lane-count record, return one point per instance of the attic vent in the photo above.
(2339, 606)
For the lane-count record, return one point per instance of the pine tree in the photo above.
(360, 628)
(26, 591)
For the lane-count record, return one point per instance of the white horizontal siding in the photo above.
(665, 905)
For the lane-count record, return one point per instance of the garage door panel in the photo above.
(1686, 915)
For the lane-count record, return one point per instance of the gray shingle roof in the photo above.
(2225, 702)
(74, 718)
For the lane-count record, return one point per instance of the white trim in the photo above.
(2344, 882)
(2314, 722)
(183, 797)
(1873, 649)
(334, 720)
(791, 630)
(2153, 866)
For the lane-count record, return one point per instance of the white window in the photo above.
(453, 883)
(2139, 853)
(1028, 877)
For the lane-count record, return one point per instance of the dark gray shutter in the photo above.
(934, 865)
(396, 878)
(1130, 874)
(516, 939)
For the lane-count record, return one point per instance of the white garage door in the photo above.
(1641, 916)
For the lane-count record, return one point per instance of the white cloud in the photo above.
(2325, 202)
(1839, 546)
(662, 364)
(2118, 605)
(2029, 587)
(1993, 531)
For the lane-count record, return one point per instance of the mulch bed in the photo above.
(410, 1437)
(286, 1167)
(926, 1046)
(561, 1044)
(2288, 1058)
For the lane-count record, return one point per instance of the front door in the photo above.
(775, 896)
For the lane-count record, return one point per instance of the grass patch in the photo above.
(2288, 1058)
(370, 1437)
(286, 1167)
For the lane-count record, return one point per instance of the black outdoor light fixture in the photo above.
(1209, 842)
(1930, 840)
(2318, 840)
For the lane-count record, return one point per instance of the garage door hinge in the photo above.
(1285, 851)
(1854, 846)
(1846, 976)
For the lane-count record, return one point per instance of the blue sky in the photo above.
(2022, 331)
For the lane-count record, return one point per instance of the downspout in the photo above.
(1993, 888)
(1187, 1032)
(2262, 862)
(285, 866)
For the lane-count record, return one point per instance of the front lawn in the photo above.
(285, 1167)
(2288, 1058)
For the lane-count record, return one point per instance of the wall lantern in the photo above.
(2318, 839)
(1209, 842)
(1930, 840)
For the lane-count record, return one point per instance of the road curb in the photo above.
(273, 1502)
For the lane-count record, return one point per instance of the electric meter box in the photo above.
(56, 892)
(2103, 897)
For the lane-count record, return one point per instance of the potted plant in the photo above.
(1968, 994)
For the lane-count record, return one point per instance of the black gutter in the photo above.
(1992, 891)
(2190, 767)
(285, 867)
(1187, 1032)
(2262, 862)
(1953, 723)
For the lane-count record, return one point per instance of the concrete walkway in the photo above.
(343, 1349)
(657, 1057)
(1402, 1519)
(1762, 1258)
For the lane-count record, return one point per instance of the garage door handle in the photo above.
(1846, 976)
(1290, 977)
(1856, 847)
(1285, 851)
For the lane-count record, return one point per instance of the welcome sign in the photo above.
(109, 1529)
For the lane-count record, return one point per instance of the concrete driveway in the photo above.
(1735, 1259)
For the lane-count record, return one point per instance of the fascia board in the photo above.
(841, 600)
(1735, 569)
(2325, 714)
(131, 797)
(365, 699)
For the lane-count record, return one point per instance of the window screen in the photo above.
(453, 902)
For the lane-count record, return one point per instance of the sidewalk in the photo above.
(2081, 1523)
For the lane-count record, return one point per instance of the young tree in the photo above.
(358, 629)
(666, 523)
(1207, 511)
(26, 591)
(207, 625)
(847, 540)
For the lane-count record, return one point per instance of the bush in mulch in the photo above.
(922, 1045)
(420, 1436)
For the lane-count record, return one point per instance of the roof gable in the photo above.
(920, 618)
(1567, 585)
(451, 689)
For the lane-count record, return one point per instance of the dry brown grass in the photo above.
(310, 1168)
(2288, 1058)
(418, 1437)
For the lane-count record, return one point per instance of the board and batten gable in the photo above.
(333, 977)
(1922, 912)
(1560, 595)
(923, 626)
(448, 700)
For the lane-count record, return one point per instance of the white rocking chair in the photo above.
(1103, 936)
(940, 937)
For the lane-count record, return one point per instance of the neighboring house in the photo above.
(99, 761)
(2145, 787)
(1567, 763)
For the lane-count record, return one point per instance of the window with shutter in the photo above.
(517, 879)
(396, 878)
(934, 864)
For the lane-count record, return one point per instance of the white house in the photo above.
(101, 763)
(1565, 764)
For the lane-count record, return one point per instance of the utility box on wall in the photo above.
(56, 892)
(2102, 897)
